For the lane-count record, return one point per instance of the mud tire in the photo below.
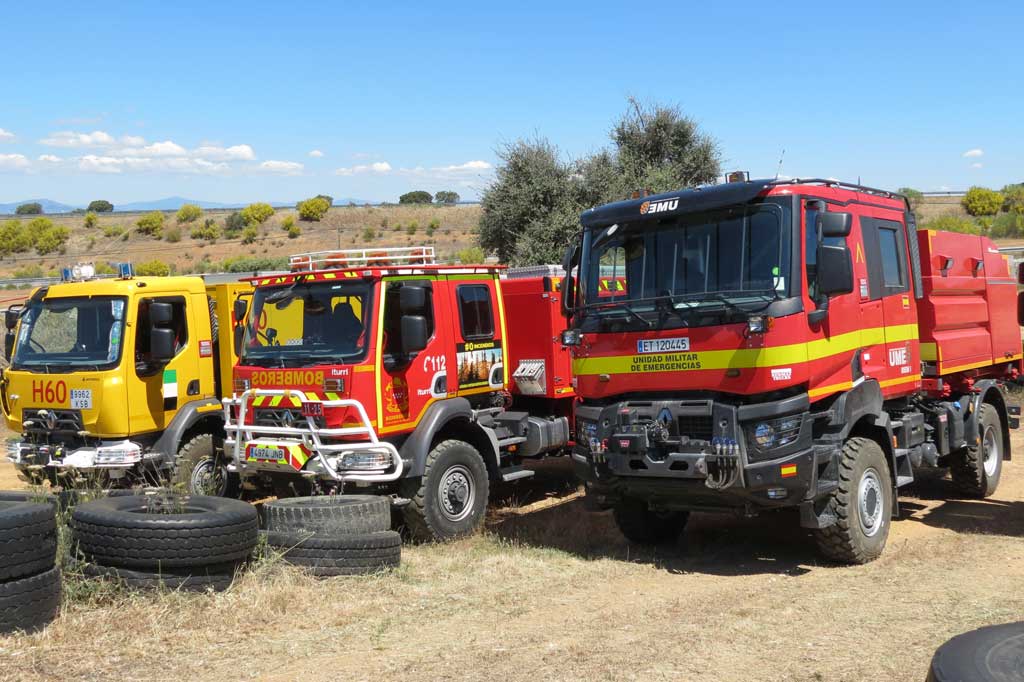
(968, 469)
(328, 514)
(30, 604)
(215, 578)
(427, 517)
(330, 555)
(28, 537)
(200, 451)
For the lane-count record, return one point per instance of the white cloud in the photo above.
(13, 161)
(378, 167)
(316, 154)
(974, 153)
(238, 152)
(133, 140)
(459, 173)
(6, 135)
(283, 167)
(67, 138)
(49, 158)
(165, 148)
(469, 166)
(101, 164)
(977, 165)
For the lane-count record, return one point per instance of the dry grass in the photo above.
(342, 224)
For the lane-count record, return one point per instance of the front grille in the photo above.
(284, 418)
(696, 427)
(47, 423)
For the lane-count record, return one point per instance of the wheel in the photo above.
(164, 531)
(326, 555)
(28, 537)
(990, 654)
(215, 578)
(29, 604)
(862, 505)
(328, 514)
(200, 470)
(975, 471)
(643, 526)
(449, 500)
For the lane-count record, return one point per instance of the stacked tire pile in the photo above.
(30, 587)
(329, 536)
(193, 543)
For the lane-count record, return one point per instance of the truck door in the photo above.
(479, 336)
(155, 390)
(409, 384)
(889, 274)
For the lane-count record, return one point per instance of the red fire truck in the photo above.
(785, 343)
(380, 371)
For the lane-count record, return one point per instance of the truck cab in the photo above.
(118, 380)
(381, 370)
(736, 346)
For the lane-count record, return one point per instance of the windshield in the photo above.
(731, 260)
(307, 323)
(63, 334)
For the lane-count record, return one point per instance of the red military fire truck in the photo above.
(799, 343)
(381, 371)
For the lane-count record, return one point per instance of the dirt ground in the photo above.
(551, 592)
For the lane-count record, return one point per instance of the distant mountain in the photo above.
(169, 204)
(49, 206)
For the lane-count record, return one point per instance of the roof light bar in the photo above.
(354, 258)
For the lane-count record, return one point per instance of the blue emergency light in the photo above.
(125, 270)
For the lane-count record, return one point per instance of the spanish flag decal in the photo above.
(787, 470)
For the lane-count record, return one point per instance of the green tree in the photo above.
(14, 238)
(91, 220)
(915, 197)
(101, 206)
(472, 255)
(249, 234)
(189, 213)
(326, 197)
(416, 197)
(981, 201)
(1014, 199)
(34, 208)
(447, 198)
(257, 214)
(52, 240)
(153, 268)
(233, 225)
(313, 209)
(151, 224)
(209, 231)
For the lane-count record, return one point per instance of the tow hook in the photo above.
(399, 502)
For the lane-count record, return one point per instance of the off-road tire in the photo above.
(28, 538)
(423, 516)
(200, 449)
(968, 465)
(989, 654)
(328, 555)
(846, 541)
(29, 604)
(328, 514)
(190, 531)
(216, 578)
(642, 526)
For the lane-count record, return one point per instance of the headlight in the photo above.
(365, 460)
(777, 433)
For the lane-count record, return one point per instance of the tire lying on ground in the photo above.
(216, 577)
(330, 555)
(28, 536)
(991, 654)
(29, 604)
(159, 532)
(328, 514)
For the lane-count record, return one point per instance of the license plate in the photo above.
(674, 345)
(81, 399)
(266, 453)
(312, 409)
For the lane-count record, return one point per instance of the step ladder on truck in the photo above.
(379, 370)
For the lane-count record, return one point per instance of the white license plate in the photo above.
(81, 399)
(673, 345)
(266, 453)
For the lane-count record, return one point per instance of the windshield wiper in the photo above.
(627, 309)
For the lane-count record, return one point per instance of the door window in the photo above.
(475, 312)
(393, 315)
(143, 358)
(886, 249)
(892, 268)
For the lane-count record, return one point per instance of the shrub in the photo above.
(473, 254)
(208, 231)
(172, 235)
(13, 238)
(249, 234)
(411, 229)
(105, 269)
(434, 224)
(111, 231)
(952, 223)
(288, 223)
(294, 231)
(982, 201)
(257, 214)
(313, 209)
(189, 213)
(1007, 225)
(52, 240)
(91, 220)
(34, 208)
(91, 243)
(914, 196)
(251, 264)
(328, 198)
(1014, 199)
(384, 223)
(125, 236)
(151, 224)
(369, 234)
(153, 268)
(233, 225)
(101, 206)
(416, 197)
(29, 272)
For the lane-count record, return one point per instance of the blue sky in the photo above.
(277, 101)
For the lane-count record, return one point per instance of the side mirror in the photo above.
(160, 314)
(568, 295)
(241, 307)
(414, 334)
(9, 344)
(412, 300)
(11, 316)
(835, 270)
(161, 345)
(835, 224)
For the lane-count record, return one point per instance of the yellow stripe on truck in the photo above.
(742, 358)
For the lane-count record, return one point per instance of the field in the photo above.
(342, 227)
(551, 592)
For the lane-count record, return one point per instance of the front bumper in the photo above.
(701, 456)
(305, 448)
(111, 456)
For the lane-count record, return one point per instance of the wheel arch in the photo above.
(188, 422)
(447, 419)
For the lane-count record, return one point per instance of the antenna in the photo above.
(778, 171)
